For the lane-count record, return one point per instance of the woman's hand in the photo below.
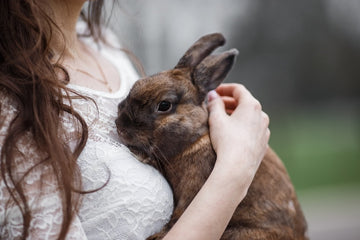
(239, 131)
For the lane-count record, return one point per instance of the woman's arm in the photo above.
(239, 133)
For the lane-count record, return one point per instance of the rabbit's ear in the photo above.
(212, 70)
(201, 49)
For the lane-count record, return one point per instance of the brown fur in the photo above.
(176, 142)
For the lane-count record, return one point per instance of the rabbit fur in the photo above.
(164, 121)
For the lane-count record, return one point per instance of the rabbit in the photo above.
(164, 121)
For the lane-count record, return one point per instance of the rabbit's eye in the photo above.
(164, 106)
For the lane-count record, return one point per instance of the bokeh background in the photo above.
(301, 59)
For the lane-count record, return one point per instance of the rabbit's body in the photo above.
(164, 121)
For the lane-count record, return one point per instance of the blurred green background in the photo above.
(301, 60)
(320, 147)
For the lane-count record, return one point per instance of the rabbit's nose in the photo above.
(123, 120)
(121, 106)
(121, 129)
(118, 123)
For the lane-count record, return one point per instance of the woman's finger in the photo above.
(216, 105)
(236, 91)
(230, 103)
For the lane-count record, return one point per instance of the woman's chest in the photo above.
(136, 199)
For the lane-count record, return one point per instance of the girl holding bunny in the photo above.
(64, 175)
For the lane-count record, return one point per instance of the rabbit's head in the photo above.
(165, 113)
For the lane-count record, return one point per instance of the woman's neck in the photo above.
(65, 14)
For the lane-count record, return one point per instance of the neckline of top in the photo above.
(88, 41)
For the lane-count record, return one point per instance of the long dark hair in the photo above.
(28, 75)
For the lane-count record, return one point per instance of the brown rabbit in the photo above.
(163, 121)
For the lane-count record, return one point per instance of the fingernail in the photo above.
(212, 95)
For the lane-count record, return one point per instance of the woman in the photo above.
(63, 173)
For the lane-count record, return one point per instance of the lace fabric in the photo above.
(136, 202)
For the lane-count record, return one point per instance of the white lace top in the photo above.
(136, 202)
